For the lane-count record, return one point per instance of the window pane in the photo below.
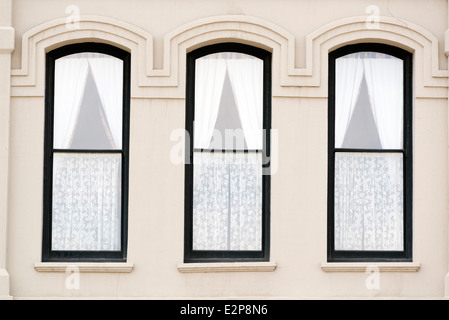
(228, 96)
(88, 103)
(86, 201)
(368, 201)
(369, 101)
(227, 201)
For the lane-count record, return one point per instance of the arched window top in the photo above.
(86, 151)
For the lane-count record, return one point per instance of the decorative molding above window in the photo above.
(289, 80)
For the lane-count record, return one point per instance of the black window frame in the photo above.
(191, 255)
(373, 256)
(49, 255)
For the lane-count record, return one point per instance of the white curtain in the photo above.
(70, 81)
(368, 201)
(86, 202)
(368, 187)
(209, 80)
(86, 199)
(108, 75)
(384, 79)
(246, 76)
(227, 186)
(348, 78)
(227, 201)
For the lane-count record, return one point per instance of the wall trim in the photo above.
(368, 266)
(6, 40)
(227, 267)
(92, 267)
(288, 80)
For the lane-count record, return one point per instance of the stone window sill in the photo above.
(91, 267)
(367, 266)
(227, 267)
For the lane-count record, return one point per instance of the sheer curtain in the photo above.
(86, 201)
(70, 81)
(209, 80)
(246, 76)
(348, 78)
(384, 78)
(227, 186)
(368, 187)
(227, 201)
(86, 192)
(368, 201)
(108, 75)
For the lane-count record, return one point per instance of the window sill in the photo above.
(370, 266)
(92, 267)
(227, 267)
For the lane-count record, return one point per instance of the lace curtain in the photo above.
(227, 201)
(227, 186)
(86, 201)
(86, 191)
(368, 201)
(368, 187)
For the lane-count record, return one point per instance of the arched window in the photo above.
(370, 154)
(86, 152)
(227, 182)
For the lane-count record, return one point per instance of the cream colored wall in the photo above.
(160, 17)
(6, 48)
(300, 32)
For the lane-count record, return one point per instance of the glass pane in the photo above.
(227, 201)
(369, 101)
(368, 201)
(228, 102)
(362, 130)
(88, 102)
(86, 201)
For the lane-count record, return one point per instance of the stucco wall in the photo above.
(158, 34)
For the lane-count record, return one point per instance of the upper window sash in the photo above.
(228, 102)
(88, 102)
(369, 101)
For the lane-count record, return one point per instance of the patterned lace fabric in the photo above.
(86, 201)
(368, 201)
(227, 201)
